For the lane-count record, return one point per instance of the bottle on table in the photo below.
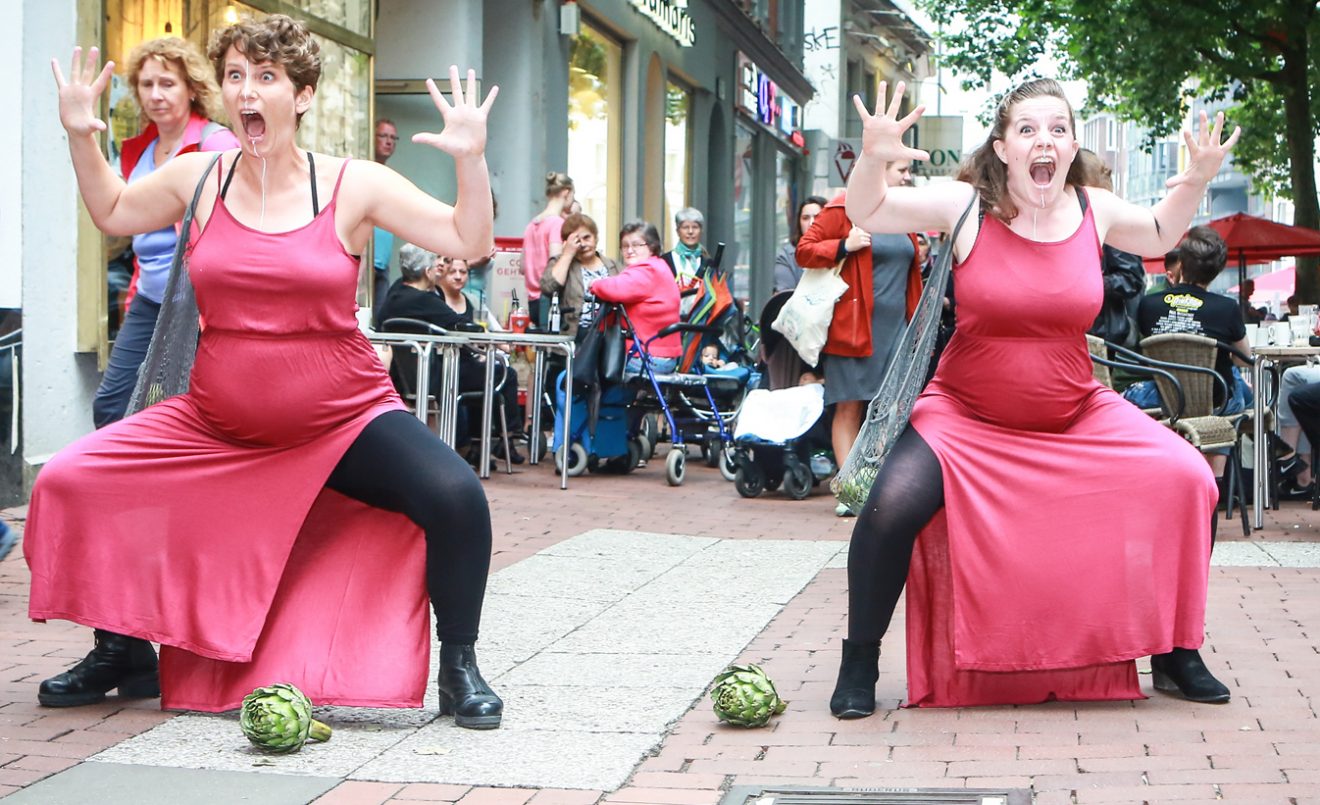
(554, 315)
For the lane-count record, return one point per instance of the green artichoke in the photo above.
(745, 697)
(279, 719)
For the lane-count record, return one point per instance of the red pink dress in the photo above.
(1075, 533)
(202, 523)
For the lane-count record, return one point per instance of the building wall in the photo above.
(58, 382)
(11, 142)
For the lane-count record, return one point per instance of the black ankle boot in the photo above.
(118, 661)
(463, 692)
(1182, 671)
(854, 692)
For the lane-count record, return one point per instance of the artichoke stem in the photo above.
(319, 731)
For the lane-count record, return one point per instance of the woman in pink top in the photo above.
(542, 241)
(1045, 566)
(648, 294)
(299, 515)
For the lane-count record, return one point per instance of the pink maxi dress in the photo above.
(1075, 533)
(202, 523)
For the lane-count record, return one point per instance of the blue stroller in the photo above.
(687, 402)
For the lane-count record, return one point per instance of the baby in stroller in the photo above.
(783, 430)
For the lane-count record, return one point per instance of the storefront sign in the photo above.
(942, 138)
(760, 97)
(843, 153)
(671, 17)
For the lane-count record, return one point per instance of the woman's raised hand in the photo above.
(79, 95)
(882, 132)
(1205, 151)
(464, 134)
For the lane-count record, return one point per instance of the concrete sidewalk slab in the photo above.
(114, 784)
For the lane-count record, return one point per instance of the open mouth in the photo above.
(254, 125)
(1042, 171)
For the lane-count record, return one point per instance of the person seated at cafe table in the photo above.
(1189, 307)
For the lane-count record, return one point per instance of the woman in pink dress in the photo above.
(1062, 565)
(299, 516)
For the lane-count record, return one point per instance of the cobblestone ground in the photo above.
(1262, 624)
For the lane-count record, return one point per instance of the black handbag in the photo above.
(601, 350)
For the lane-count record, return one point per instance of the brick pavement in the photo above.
(1256, 749)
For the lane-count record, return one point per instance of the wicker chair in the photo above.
(1191, 359)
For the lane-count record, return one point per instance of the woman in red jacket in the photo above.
(648, 294)
(883, 273)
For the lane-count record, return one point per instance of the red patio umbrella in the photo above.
(1252, 239)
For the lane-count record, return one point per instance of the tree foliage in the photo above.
(1145, 60)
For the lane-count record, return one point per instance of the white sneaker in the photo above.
(842, 510)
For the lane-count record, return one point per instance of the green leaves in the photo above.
(279, 719)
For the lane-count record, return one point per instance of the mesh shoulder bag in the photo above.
(173, 346)
(888, 414)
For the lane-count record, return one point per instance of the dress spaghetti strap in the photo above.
(340, 180)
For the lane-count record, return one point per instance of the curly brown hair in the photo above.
(987, 173)
(277, 39)
(185, 57)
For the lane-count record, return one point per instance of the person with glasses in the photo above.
(648, 294)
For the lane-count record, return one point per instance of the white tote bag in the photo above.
(805, 318)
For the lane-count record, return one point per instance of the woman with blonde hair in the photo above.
(175, 88)
(542, 241)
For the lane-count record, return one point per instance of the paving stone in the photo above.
(114, 784)
(665, 550)
(443, 753)
(620, 670)
(197, 741)
(593, 709)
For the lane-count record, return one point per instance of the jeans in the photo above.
(1144, 394)
(661, 366)
(126, 359)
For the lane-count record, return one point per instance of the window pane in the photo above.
(744, 178)
(594, 68)
(678, 109)
(338, 122)
(784, 192)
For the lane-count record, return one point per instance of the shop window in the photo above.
(595, 69)
(338, 123)
(744, 195)
(678, 156)
(785, 196)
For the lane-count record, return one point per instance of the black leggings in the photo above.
(908, 491)
(399, 465)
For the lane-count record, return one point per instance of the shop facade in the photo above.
(652, 106)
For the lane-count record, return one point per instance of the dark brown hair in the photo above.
(1202, 255)
(277, 39)
(987, 173)
(649, 233)
(576, 221)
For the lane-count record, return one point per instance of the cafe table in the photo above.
(1267, 357)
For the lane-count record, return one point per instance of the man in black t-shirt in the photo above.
(1189, 308)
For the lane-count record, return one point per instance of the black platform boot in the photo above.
(1183, 672)
(854, 692)
(463, 693)
(118, 661)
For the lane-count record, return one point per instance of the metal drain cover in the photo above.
(793, 795)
